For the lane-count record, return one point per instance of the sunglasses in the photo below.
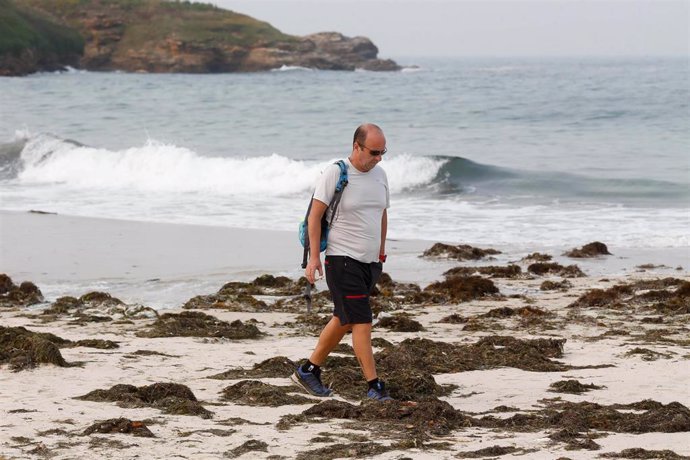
(374, 153)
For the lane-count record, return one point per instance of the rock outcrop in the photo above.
(161, 37)
(32, 42)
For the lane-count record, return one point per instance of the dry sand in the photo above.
(41, 418)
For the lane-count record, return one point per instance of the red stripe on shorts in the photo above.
(358, 296)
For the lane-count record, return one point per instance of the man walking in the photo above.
(354, 257)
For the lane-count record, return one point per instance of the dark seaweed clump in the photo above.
(418, 420)
(400, 323)
(488, 352)
(239, 296)
(253, 445)
(562, 285)
(459, 289)
(171, 398)
(342, 450)
(537, 257)
(584, 416)
(459, 252)
(593, 249)
(658, 298)
(408, 367)
(572, 387)
(510, 271)
(24, 349)
(198, 324)
(13, 296)
(120, 425)
(255, 393)
(493, 451)
(553, 268)
(638, 453)
(278, 366)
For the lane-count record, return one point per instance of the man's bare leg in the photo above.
(361, 342)
(330, 337)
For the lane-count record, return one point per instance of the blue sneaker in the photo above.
(379, 393)
(311, 383)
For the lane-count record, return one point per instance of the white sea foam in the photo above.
(289, 68)
(160, 167)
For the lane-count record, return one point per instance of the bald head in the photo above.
(368, 147)
(363, 131)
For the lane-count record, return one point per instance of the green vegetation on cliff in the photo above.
(162, 36)
(154, 21)
(23, 30)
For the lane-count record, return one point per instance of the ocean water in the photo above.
(519, 152)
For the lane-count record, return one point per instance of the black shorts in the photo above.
(350, 282)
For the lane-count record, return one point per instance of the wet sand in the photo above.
(633, 347)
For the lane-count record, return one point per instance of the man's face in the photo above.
(371, 151)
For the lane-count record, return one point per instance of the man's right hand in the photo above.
(313, 266)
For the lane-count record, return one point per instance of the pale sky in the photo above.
(418, 28)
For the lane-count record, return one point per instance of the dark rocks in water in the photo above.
(459, 252)
(562, 285)
(255, 393)
(494, 271)
(198, 324)
(552, 268)
(171, 398)
(120, 425)
(253, 445)
(572, 387)
(278, 366)
(24, 349)
(460, 289)
(400, 323)
(13, 296)
(593, 249)
(639, 453)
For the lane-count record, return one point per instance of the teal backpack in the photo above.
(303, 234)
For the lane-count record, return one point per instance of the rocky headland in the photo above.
(161, 37)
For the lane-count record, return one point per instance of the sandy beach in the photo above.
(483, 363)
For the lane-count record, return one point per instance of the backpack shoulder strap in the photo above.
(339, 188)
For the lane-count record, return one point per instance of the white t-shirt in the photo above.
(356, 230)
